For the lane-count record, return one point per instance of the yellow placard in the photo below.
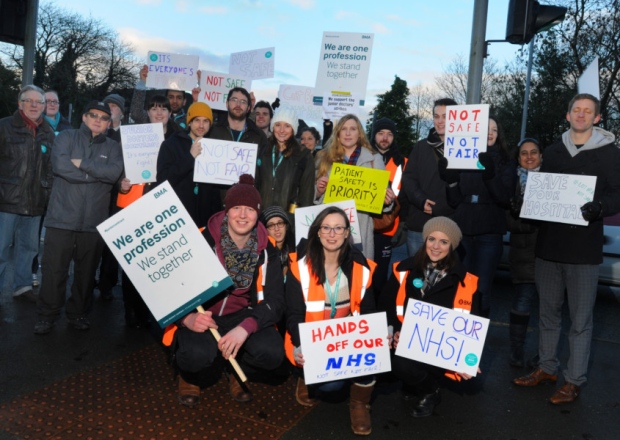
(366, 186)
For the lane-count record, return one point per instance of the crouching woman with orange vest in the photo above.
(436, 276)
(329, 279)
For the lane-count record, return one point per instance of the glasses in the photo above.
(53, 102)
(104, 118)
(238, 101)
(278, 225)
(32, 101)
(338, 230)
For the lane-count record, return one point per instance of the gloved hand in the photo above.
(515, 206)
(591, 211)
(449, 176)
(489, 166)
(275, 104)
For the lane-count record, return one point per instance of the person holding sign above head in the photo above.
(348, 145)
(285, 171)
(246, 314)
(436, 276)
(329, 278)
(480, 200)
(567, 255)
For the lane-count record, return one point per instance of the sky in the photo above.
(413, 39)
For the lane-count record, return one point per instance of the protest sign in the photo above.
(589, 81)
(161, 250)
(214, 87)
(442, 337)
(141, 144)
(337, 349)
(466, 135)
(305, 216)
(253, 64)
(222, 162)
(366, 186)
(344, 64)
(557, 197)
(300, 99)
(172, 71)
(336, 105)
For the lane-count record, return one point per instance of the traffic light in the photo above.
(13, 21)
(528, 17)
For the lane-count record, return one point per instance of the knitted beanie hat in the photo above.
(271, 212)
(384, 124)
(243, 194)
(445, 225)
(199, 109)
(285, 114)
(115, 99)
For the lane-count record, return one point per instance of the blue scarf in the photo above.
(53, 122)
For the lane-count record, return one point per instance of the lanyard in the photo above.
(240, 133)
(273, 160)
(333, 296)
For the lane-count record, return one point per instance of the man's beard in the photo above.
(234, 117)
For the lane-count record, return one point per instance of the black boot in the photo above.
(518, 332)
(431, 397)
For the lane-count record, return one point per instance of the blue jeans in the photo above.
(414, 242)
(524, 298)
(21, 231)
(481, 256)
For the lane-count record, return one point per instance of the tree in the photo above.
(9, 89)
(394, 104)
(453, 82)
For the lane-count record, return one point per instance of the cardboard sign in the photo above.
(300, 99)
(466, 135)
(442, 337)
(589, 81)
(305, 216)
(344, 64)
(141, 144)
(336, 105)
(557, 197)
(214, 87)
(166, 258)
(253, 64)
(222, 162)
(366, 186)
(172, 71)
(337, 349)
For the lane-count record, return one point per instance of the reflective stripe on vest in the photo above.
(396, 176)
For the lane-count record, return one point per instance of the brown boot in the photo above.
(359, 408)
(302, 394)
(238, 391)
(189, 395)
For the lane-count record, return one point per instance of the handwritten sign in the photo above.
(466, 135)
(171, 71)
(300, 99)
(343, 348)
(344, 64)
(141, 144)
(222, 162)
(557, 197)
(214, 87)
(336, 105)
(442, 337)
(253, 64)
(366, 186)
(305, 216)
(161, 250)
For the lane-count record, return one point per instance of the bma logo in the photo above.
(465, 302)
(160, 193)
(366, 36)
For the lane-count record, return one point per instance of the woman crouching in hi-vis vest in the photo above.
(436, 276)
(329, 279)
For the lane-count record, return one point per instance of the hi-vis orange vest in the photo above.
(462, 299)
(396, 176)
(124, 200)
(314, 293)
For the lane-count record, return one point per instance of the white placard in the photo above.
(557, 197)
(141, 144)
(172, 71)
(344, 64)
(253, 64)
(162, 251)
(466, 135)
(305, 216)
(336, 105)
(338, 349)
(442, 337)
(214, 87)
(589, 81)
(222, 162)
(300, 99)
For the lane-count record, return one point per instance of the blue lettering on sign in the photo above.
(368, 359)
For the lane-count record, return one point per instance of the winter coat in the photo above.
(521, 253)
(25, 166)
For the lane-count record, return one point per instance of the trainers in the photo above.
(35, 280)
(28, 295)
(82, 323)
(43, 327)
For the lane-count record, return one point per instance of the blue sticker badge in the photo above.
(480, 166)
(43, 149)
(258, 162)
(154, 57)
(182, 124)
(418, 282)
(215, 284)
(146, 174)
(268, 54)
(471, 359)
(196, 190)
